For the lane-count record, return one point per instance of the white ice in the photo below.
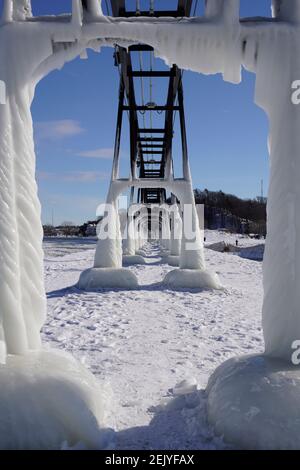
(49, 400)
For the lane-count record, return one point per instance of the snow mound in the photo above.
(255, 253)
(173, 260)
(99, 278)
(192, 279)
(254, 403)
(164, 255)
(185, 387)
(223, 247)
(48, 400)
(141, 252)
(133, 259)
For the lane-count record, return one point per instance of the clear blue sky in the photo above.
(74, 112)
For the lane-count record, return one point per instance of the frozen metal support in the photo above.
(7, 11)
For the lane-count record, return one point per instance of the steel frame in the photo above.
(141, 145)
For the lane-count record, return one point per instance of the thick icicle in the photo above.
(7, 13)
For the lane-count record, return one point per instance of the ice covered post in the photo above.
(72, 411)
(165, 225)
(23, 304)
(277, 92)
(176, 231)
(26, 55)
(254, 401)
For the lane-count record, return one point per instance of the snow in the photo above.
(141, 344)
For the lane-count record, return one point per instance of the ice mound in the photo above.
(185, 387)
(141, 252)
(254, 403)
(223, 247)
(133, 259)
(99, 278)
(48, 400)
(173, 260)
(256, 253)
(192, 279)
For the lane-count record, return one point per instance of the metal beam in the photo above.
(151, 73)
(151, 152)
(156, 14)
(118, 7)
(140, 48)
(184, 7)
(140, 141)
(154, 108)
(151, 139)
(152, 131)
(152, 146)
(172, 93)
(115, 172)
(185, 162)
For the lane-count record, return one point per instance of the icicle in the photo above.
(286, 10)
(21, 10)
(7, 13)
(3, 351)
(213, 8)
(231, 10)
(84, 55)
(93, 7)
(76, 13)
(228, 10)
(2, 92)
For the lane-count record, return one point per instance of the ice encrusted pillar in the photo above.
(165, 232)
(130, 231)
(192, 246)
(22, 293)
(176, 231)
(23, 304)
(278, 70)
(254, 401)
(109, 246)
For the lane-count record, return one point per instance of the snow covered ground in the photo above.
(143, 344)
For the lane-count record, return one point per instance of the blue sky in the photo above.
(74, 113)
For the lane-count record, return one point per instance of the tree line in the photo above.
(222, 210)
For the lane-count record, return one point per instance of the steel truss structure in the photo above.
(150, 147)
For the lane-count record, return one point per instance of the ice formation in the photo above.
(49, 400)
(218, 43)
(254, 402)
(192, 279)
(95, 278)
